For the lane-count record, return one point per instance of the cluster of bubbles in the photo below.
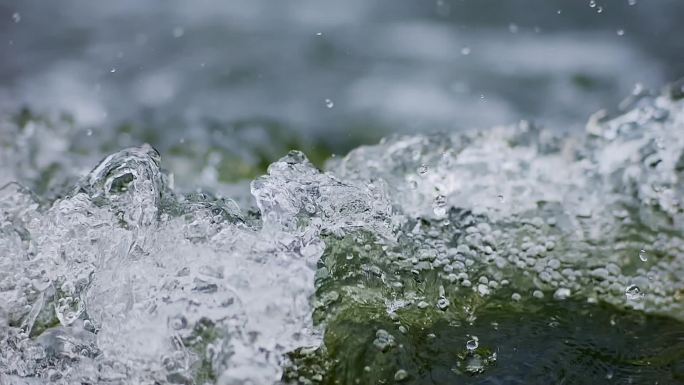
(540, 214)
(121, 279)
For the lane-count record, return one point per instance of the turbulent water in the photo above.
(113, 276)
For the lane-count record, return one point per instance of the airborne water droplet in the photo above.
(465, 51)
(16, 17)
(329, 103)
(423, 169)
(439, 205)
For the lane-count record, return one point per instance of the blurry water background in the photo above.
(252, 78)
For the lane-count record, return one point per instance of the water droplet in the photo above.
(599, 9)
(501, 198)
(643, 256)
(89, 132)
(472, 344)
(413, 184)
(465, 51)
(559, 11)
(442, 303)
(592, 3)
(16, 17)
(329, 103)
(516, 297)
(319, 33)
(513, 28)
(633, 293)
(423, 169)
(439, 205)
(112, 70)
(178, 32)
(631, 2)
(620, 32)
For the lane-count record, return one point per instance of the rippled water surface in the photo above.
(155, 227)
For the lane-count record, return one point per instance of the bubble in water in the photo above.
(383, 340)
(329, 103)
(16, 17)
(472, 343)
(633, 293)
(561, 294)
(439, 205)
(465, 51)
(643, 256)
(400, 375)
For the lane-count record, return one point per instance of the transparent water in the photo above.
(347, 273)
(544, 252)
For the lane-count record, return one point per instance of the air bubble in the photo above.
(633, 293)
(472, 343)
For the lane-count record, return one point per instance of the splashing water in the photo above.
(122, 279)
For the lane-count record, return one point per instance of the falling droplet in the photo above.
(319, 33)
(16, 17)
(559, 11)
(592, 3)
(465, 51)
(178, 32)
(501, 198)
(329, 103)
(423, 169)
(599, 9)
(112, 70)
(620, 32)
(513, 28)
(89, 132)
(643, 256)
(633, 293)
(439, 205)
(631, 2)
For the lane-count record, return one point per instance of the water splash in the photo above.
(121, 278)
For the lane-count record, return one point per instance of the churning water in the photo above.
(512, 255)
(119, 278)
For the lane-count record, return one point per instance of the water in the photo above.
(537, 252)
(224, 76)
(118, 277)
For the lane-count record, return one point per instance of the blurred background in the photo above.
(235, 84)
